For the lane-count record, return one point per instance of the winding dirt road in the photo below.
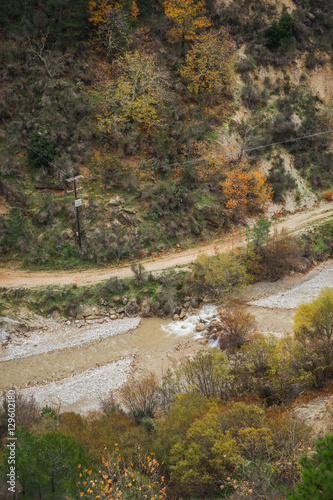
(13, 278)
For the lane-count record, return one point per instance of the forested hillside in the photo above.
(162, 106)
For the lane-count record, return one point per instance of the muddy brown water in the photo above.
(153, 348)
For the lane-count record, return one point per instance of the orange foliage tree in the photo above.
(209, 64)
(188, 16)
(118, 481)
(247, 192)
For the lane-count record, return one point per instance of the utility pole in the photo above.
(77, 204)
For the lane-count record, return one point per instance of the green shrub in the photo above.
(41, 151)
(279, 30)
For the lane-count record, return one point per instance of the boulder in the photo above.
(200, 327)
(10, 326)
(145, 309)
(132, 308)
(116, 201)
(176, 317)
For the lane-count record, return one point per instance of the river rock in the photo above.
(87, 311)
(145, 308)
(132, 308)
(200, 327)
(182, 314)
(176, 317)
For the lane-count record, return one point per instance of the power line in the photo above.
(246, 150)
(49, 162)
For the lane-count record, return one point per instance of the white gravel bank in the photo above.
(63, 337)
(304, 292)
(82, 392)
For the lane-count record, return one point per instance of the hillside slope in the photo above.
(168, 169)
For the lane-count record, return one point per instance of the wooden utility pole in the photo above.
(77, 204)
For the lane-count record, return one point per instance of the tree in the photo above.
(188, 17)
(313, 328)
(209, 64)
(258, 233)
(137, 95)
(112, 22)
(41, 151)
(222, 276)
(317, 473)
(279, 30)
(47, 464)
(247, 192)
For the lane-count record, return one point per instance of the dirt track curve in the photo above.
(10, 278)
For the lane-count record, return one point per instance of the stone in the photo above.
(132, 308)
(129, 210)
(124, 300)
(116, 299)
(87, 311)
(200, 327)
(145, 309)
(116, 201)
(182, 314)
(176, 317)
(113, 316)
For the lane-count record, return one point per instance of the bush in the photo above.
(280, 30)
(141, 395)
(220, 277)
(41, 151)
(235, 328)
(280, 255)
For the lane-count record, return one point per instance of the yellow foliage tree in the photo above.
(188, 17)
(111, 20)
(313, 328)
(247, 192)
(209, 65)
(137, 95)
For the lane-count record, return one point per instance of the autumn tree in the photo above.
(313, 328)
(121, 480)
(209, 64)
(136, 95)
(221, 276)
(112, 23)
(247, 192)
(188, 17)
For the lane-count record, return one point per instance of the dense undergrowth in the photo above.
(61, 74)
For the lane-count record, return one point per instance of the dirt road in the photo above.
(10, 278)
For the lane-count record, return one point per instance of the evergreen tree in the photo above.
(317, 473)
